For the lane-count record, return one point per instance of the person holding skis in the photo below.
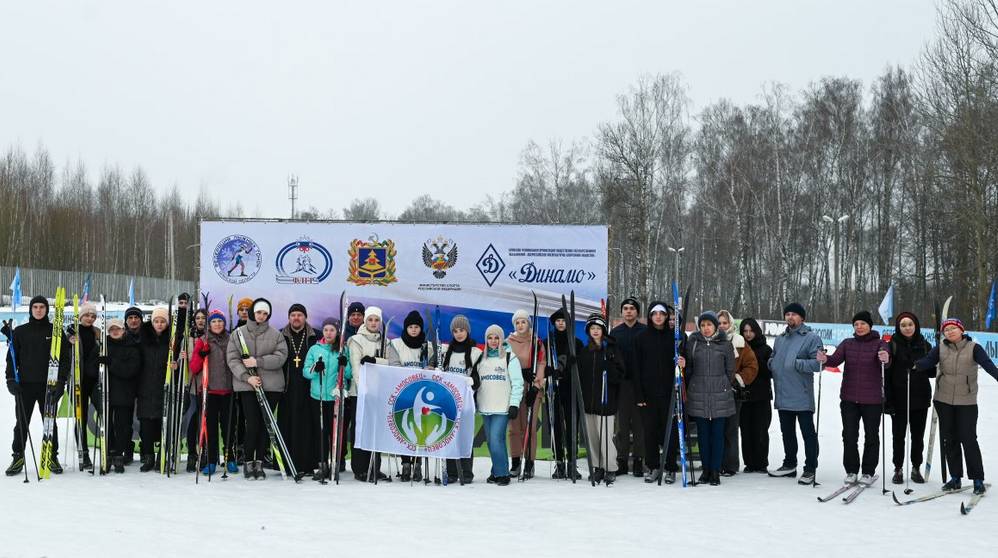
(793, 365)
(957, 360)
(532, 366)
(410, 351)
(861, 395)
(133, 324)
(295, 418)
(907, 404)
(364, 347)
(355, 319)
(709, 364)
(155, 349)
(123, 363)
(601, 368)
(267, 353)
(746, 369)
(87, 337)
(628, 420)
(210, 349)
(460, 356)
(757, 409)
(654, 389)
(321, 369)
(242, 312)
(498, 386)
(32, 344)
(559, 372)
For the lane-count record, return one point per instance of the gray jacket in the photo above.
(268, 346)
(710, 371)
(793, 366)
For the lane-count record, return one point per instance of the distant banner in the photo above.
(485, 272)
(408, 411)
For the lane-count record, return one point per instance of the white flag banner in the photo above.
(409, 411)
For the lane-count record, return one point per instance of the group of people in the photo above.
(626, 375)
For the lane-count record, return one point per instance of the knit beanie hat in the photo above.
(951, 322)
(133, 311)
(520, 314)
(355, 308)
(372, 311)
(262, 304)
(632, 301)
(298, 307)
(796, 308)
(38, 299)
(331, 321)
(863, 316)
(216, 314)
(160, 312)
(115, 323)
(710, 317)
(596, 319)
(88, 308)
(246, 303)
(461, 322)
(413, 318)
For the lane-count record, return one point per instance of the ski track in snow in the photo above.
(75, 515)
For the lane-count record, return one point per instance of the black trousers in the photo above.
(958, 428)
(852, 413)
(899, 427)
(87, 389)
(150, 430)
(654, 416)
(217, 416)
(730, 460)
(350, 418)
(120, 429)
(562, 444)
(257, 443)
(754, 421)
(31, 395)
(323, 445)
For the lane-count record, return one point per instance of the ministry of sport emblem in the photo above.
(303, 262)
(372, 262)
(237, 259)
(425, 413)
(439, 254)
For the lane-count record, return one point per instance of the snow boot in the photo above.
(953, 484)
(528, 469)
(148, 462)
(232, 467)
(916, 476)
(406, 472)
(258, 473)
(637, 469)
(209, 469)
(417, 472)
(979, 487)
(784, 471)
(670, 477)
(54, 465)
(249, 471)
(597, 475)
(85, 463)
(898, 477)
(16, 465)
(622, 465)
(559, 471)
(704, 477)
(715, 478)
(514, 471)
(609, 477)
(806, 478)
(653, 476)
(118, 462)
(502, 481)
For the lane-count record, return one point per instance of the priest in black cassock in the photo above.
(295, 420)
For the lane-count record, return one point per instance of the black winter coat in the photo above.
(123, 369)
(556, 348)
(87, 336)
(32, 345)
(626, 338)
(593, 360)
(904, 353)
(762, 388)
(155, 352)
(655, 375)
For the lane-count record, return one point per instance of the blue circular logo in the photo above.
(303, 262)
(425, 414)
(237, 258)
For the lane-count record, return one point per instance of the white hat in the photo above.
(372, 311)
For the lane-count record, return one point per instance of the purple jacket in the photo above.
(861, 380)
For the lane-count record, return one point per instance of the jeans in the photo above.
(789, 431)
(495, 437)
(710, 436)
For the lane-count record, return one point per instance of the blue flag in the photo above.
(887, 306)
(131, 292)
(991, 307)
(86, 287)
(15, 290)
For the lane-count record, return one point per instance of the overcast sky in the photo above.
(393, 99)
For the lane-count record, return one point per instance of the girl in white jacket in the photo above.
(497, 398)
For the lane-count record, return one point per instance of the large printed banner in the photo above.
(409, 411)
(485, 272)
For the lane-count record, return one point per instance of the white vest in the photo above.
(457, 362)
(400, 354)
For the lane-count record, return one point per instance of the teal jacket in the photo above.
(329, 355)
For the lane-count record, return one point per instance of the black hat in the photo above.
(796, 308)
(558, 314)
(863, 316)
(184, 296)
(355, 308)
(38, 299)
(596, 319)
(298, 307)
(710, 317)
(632, 301)
(331, 321)
(411, 318)
(133, 311)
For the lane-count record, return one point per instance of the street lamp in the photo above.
(835, 259)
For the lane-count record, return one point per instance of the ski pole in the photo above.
(883, 432)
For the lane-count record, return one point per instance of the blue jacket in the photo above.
(329, 356)
(793, 366)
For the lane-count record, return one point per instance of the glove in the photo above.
(512, 412)
(71, 330)
(367, 360)
(205, 349)
(341, 361)
(103, 359)
(13, 387)
(319, 366)
(531, 395)
(570, 362)
(476, 380)
(5, 330)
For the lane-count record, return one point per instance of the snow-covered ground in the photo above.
(144, 514)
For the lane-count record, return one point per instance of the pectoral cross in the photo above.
(297, 361)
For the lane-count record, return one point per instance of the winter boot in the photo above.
(953, 484)
(118, 462)
(16, 465)
(598, 474)
(502, 481)
(249, 471)
(979, 487)
(417, 472)
(85, 463)
(259, 474)
(528, 469)
(406, 472)
(609, 477)
(653, 476)
(715, 478)
(209, 469)
(559, 471)
(670, 477)
(622, 465)
(638, 470)
(916, 476)
(574, 474)
(784, 471)
(192, 463)
(806, 478)
(704, 477)
(54, 465)
(898, 477)
(148, 462)
(514, 471)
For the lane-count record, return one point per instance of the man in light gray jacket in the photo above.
(262, 368)
(793, 365)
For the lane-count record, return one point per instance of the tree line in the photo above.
(828, 195)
